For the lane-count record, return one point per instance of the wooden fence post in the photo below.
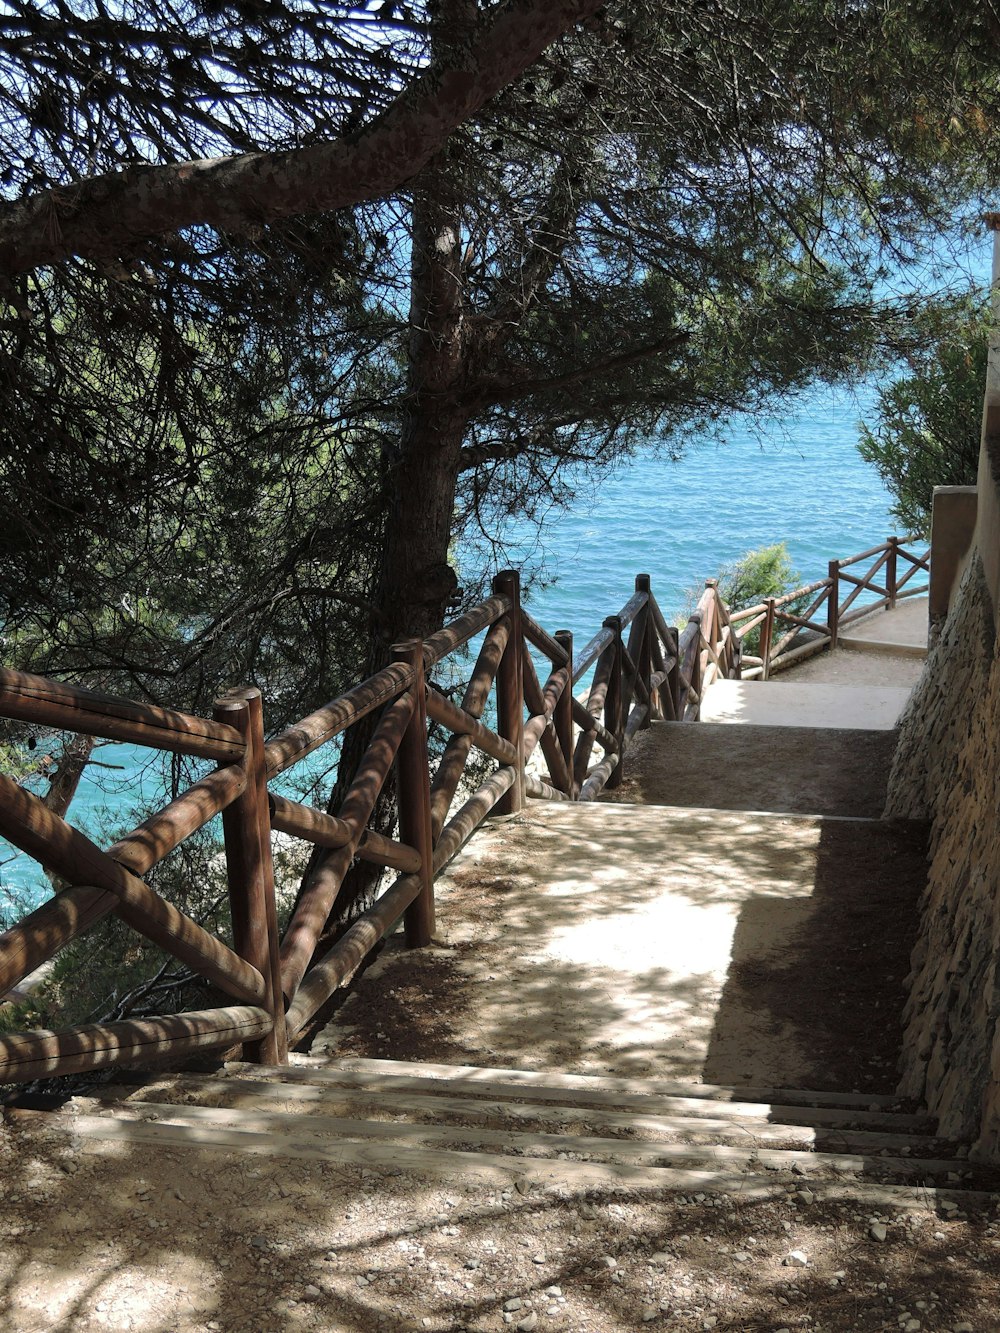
(644, 656)
(564, 709)
(766, 636)
(672, 648)
(246, 827)
(414, 797)
(695, 679)
(613, 719)
(510, 690)
(891, 570)
(833, 602)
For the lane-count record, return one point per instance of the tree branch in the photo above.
(110, 214)
(488, 392)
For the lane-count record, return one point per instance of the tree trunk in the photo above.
(68, 771)
(416, 581)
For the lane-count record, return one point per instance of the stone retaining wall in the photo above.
(947, 769)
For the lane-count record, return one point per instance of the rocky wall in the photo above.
(947, 769)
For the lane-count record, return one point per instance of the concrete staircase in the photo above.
(688, 895)
(527, 1128)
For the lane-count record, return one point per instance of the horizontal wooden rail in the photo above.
(315, 826)
(583, 661)
(466, 627)
(25, 1056)
(543, 640)
(881, 549)
(27, 823)
(632, 608)
(460, 722)
(329, 721)
(51, 703)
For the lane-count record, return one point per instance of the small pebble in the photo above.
(513, 1304)
(877, 1231)
(529, 1322)
(796, 1259)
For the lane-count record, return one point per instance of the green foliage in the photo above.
(766, 572)
(756, 575)
(927, 423)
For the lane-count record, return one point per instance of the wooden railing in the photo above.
(810, 619)
(642, 669)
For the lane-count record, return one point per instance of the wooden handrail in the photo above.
(466, 627)
(591, 652)
(51, 703)
(543, 640)
(315, 826)
(311, 732)
(30, 1055)
(158, 835)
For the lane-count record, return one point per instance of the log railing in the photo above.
(809, 619)
(547, 743)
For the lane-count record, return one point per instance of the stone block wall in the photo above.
(947, 769)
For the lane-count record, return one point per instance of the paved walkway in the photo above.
(793, 704)
(864, 684)
(902, 630)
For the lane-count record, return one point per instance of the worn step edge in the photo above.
(520, 1142)
(83, 1131)
(610, 1083)
(583, 1096)
(241, 1091)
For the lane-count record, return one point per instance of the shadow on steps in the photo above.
(790, 770)
(834, 988)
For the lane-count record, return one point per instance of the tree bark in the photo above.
(110, 215)
(416, 581)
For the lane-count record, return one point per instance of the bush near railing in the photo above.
(784, 620)
(643, 669)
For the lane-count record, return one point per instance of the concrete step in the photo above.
(901, 631)
(782, 769)
(415, 1123)
(787, 704)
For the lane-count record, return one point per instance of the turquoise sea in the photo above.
(799, 480)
